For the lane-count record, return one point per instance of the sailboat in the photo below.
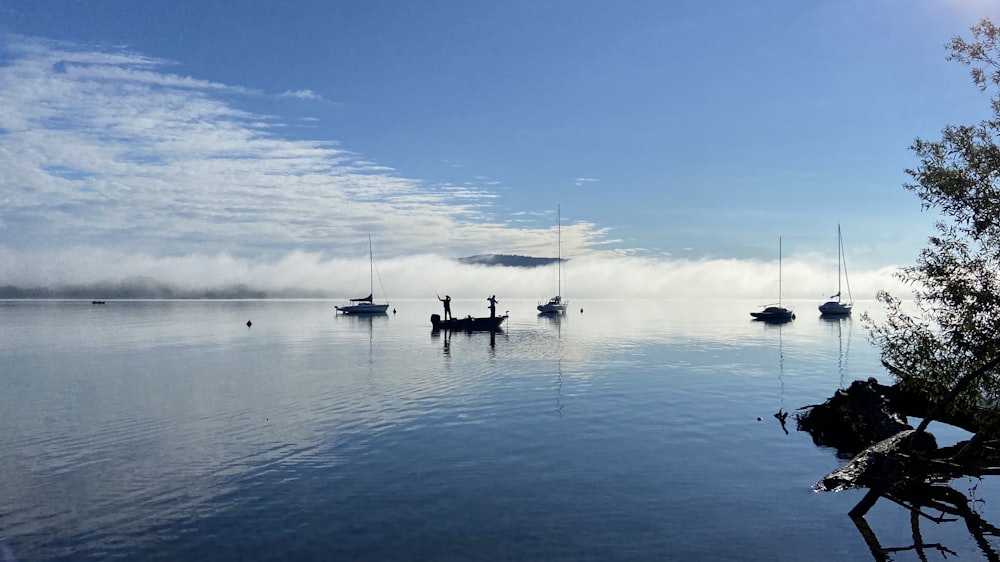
(835, 306)
(775, 313)
(366, 305)
(557, 304)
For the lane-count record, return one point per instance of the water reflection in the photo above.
(559, 385)
(843, 348)
(366, 322)
(553, 321)
(171, 423)
(446, 335)
(781, 415)
(939, 504)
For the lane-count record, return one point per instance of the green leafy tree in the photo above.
(949, 347)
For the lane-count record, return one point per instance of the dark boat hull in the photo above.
(468, 324)
(774, 314)
(772, 317)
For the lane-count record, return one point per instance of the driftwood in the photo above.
(888, 461)
(861, 421)
(853, 419)
(868, 423)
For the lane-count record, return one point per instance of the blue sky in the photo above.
(263, 142)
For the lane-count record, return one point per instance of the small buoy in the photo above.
(581, 311)
(249, 323)
(394, 311)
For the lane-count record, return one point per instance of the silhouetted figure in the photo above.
(493, 305)
(394, 311)
(249, 323)
(447, 306)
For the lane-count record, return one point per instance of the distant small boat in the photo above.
(556, 305)
(366, 305)
(835, 306)
(775, 313)
(96, 302)
(468, 324)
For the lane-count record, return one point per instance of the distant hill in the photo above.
(505, 260)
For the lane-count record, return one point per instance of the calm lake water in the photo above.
(169, 430)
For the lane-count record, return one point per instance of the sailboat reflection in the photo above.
(552, 321)
(364, 321)
(559, 384)
(781, 415)
(843, 351)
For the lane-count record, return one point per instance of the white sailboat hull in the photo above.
(366, 305)
(835, 306)
(556, 305)
(363, 308)
(553, 307)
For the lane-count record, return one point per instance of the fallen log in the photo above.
(867, 422)
(893, 463)
(852, 418)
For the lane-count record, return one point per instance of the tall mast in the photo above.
(779, 271)
(559, 236)
(371, 269)
(840, 251)
(847, 280)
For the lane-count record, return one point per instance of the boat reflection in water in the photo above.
(446, 334)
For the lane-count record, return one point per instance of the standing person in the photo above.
(493, 306)
(447, 306)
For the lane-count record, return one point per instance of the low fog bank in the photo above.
(104, 274)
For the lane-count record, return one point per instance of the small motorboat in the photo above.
(468, 324)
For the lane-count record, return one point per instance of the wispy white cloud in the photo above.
(114, 167)
(581, 181)
(302, 95)
(110, 149)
